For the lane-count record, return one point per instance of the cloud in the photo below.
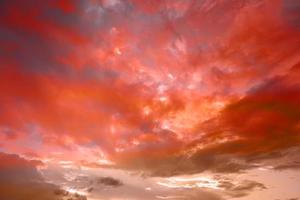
(258, 126)
(109, 181)
(195, 85)
(14, 168)
(294, 165)
(20, 179)
(266, 114)
(241, 189)
(201, 195)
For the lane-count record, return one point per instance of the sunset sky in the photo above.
(150, 99)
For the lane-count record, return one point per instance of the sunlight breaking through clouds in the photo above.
(192, 182)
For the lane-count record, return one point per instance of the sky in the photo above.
(149, 99)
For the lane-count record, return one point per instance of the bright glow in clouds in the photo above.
(75, 191)
(193, 182)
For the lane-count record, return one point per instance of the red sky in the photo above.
(161, 88)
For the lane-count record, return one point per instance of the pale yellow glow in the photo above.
(192, 182)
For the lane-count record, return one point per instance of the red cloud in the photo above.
(164, 81)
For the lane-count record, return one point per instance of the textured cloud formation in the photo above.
(13, 168)
(170, 87)
(242, 189)
(20, 180)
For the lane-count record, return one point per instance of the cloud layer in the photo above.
(167, 88)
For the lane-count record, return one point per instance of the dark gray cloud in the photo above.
(109, 181)
(241, 189)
